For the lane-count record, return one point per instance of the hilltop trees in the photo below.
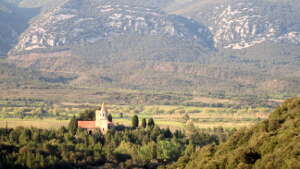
(271, 144)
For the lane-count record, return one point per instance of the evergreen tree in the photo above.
(151, 123)
(168, 133)
(73, 125)
(109, 117)
(87, 115)
(144, 123)
(135, 121)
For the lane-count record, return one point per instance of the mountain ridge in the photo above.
(239, 24)
(77, 22)
(160, 50)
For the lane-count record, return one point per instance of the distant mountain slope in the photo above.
(127, 65)
(272, 144)
(239, 24)
(14, 21)
(47, 3)
(78, 22)
(35, 3)
(118, 44)
(136, 44)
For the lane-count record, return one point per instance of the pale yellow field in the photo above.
(181, 125)
(52, 123)
(205, 118)
(44, 124)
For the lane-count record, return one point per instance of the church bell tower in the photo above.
(101, 118)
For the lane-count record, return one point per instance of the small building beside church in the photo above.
(101, 122)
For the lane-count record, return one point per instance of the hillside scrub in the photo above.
(271, 144)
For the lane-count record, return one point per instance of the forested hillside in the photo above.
(271, 144)
(15, 77)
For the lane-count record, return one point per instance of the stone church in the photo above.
(101, 122)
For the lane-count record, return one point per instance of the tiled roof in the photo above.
(87, 124)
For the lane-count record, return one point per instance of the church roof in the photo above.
(87, 124)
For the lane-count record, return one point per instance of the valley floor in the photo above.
(53, 108)
(49, 123)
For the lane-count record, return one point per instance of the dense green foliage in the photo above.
(32, 148)
(123, 147)
(271, 144)
(36, 148)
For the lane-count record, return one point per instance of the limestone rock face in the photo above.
(81, 21)
(239, 24)
(244, 24)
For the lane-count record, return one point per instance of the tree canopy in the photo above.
(271, 144)
(135, 121)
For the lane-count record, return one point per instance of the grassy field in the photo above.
(174, 116)
(44, 124)
(181, 125)
(162, 122)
